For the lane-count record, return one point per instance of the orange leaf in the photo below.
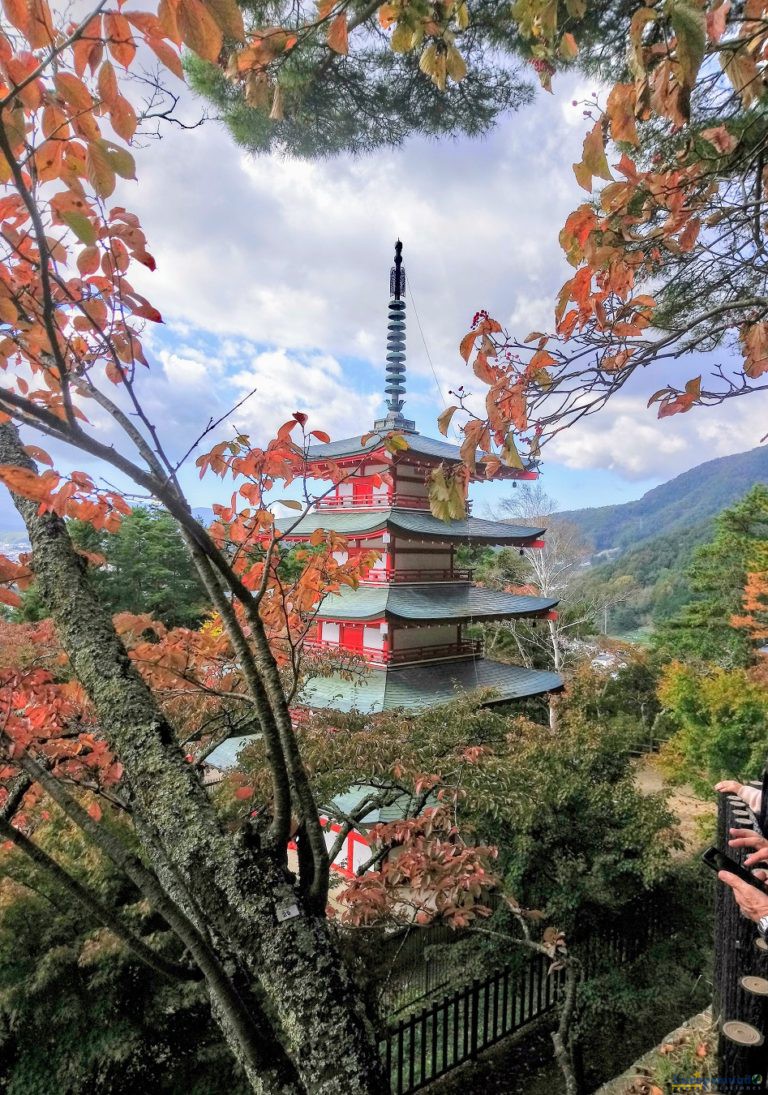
(119, 38)
(123, 118)
(338, 34)
(167, 55)
(88, 261)
(166, 16)
(199, 30)
(466, 345)
(73, 91)
(40, 25)
(94, 811)
(18, 14)
(25, 482)
(38, 454)
(107, 84)
(8, 597)
(244, 792)
(621, 111)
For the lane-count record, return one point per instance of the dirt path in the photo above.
(686, 806)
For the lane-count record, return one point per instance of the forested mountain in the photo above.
(685, 502)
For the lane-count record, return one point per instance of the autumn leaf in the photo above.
(444, 420)
(18, 14)
(716, 21)
(101, 173)
(743, 73)
(690, 26)
(107, 83)
(229, 17)
(338, 34)
(81, 225)
(620, 109)
(72, 90)
(593, 160)
(119, 35)
(199, 30)
(167, 55)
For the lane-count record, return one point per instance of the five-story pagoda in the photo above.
(409, 617)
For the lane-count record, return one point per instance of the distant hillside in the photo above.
(690, 499)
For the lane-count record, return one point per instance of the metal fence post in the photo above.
(474, 1017)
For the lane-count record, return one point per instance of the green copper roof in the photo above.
(435, 602)
(417, 687)
(351, 446)
(417, 444)
(414, 524)
(352, 798)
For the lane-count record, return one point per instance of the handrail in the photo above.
(386, 500)
(420, 654)
(396, 576)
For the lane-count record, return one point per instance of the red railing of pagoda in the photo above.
(402, 657)
(395, 499)
(388, 574)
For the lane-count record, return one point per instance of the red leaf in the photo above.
(244, 792)
(94, 811)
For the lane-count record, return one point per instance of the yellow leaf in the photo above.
(101, 173)
(455, 64)
(229, 17)
(742, 71)
(510, 456)
(444, 420)
(402, 37)
(276, 113)
(593, 161)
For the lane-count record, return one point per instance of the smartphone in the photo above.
(718, 861)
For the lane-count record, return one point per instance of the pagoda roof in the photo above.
(433, 602)
(418, 445)
(353, 446)
(416, 687)
(415, 524)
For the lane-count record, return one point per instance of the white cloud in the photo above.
(314, 383)
(626, 437)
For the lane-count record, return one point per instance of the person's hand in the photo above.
(747, 838)
(729, 786)
(760, 856)
(752, 903)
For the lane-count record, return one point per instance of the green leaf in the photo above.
(690, 26)
(82, 227)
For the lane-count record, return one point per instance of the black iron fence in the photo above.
(740, 997)
(454, 1029)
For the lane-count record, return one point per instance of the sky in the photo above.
(272, 274)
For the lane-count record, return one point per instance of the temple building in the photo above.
(410, 616)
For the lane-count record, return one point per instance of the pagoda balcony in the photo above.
(413, 654)
(395, 576)
(391, 500)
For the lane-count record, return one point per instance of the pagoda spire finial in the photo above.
(394, 388)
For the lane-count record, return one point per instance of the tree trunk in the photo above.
(236, 895)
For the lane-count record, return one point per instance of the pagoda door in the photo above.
(352, 636)
(362, 492)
